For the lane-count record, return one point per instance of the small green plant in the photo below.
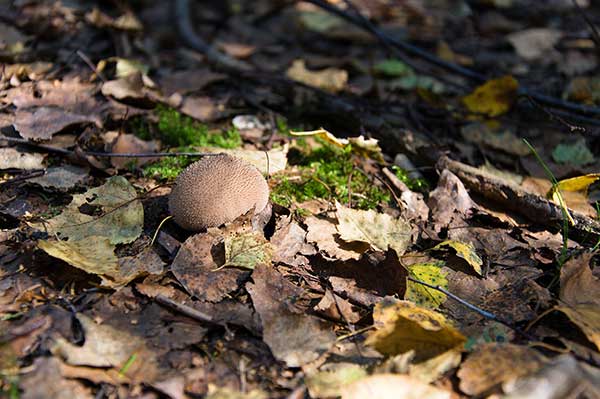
(563, 207)
(168, 168)
(328, 172)
(419, 185)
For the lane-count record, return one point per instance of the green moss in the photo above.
(185, 134)
(179, 130)
(140, 126)
(168, 168)
(419, 185)
(328, 172)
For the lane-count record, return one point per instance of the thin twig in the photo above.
(90, 64)
(595, 34)
(59, 150)
(185, 309)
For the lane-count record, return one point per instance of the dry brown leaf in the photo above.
(195, 268)
(493, 364)
(577, 283)
(131, 144)
(42, 123)
(45, 380)
(380, 230)
(330, 79)
(61, 177)
(10, 158)
(324, 234)
(203, 108)
(294, 338)
(586, 317)
(106, 346)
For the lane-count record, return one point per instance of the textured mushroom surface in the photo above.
(216, 190)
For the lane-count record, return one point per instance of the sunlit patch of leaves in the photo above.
(330, 173)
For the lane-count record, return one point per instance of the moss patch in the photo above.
(179, 130)
(419, 185)
(327, 172)
(185, 134)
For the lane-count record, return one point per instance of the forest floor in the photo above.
(434, 205)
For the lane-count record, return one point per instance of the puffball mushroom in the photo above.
(216, 190)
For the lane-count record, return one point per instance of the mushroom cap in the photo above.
(216, 190)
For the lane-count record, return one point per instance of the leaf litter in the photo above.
(416, 246)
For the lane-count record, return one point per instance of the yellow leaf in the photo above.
(94, 254)
(494, 97)
(379, 230)
(365, 147)
(402, 326)
(430, 273)
(323, 134)
(579, 183)
(465, 251)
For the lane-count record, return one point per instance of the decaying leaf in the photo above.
(586, 317)
(295, 338)
(502, 139)
(92, 239)
(392, 386)
(380, 230)
(324, 234)
(268, 162)
(576, 153)
(45, 380)
(532, 44)
(10, 158)
(430, 273)
(131, 144)
(577, 283)
(330, 79)
(215, 392)
(433, 369)
(195, 268)
(120, 220)
(106, 346)
(563, 377)
(494, 97)
(365, 147)
(61, 177)
(463, 250)
(331, 378)
(94, 254)
(402, 326)
(493, 364)
(247, 250)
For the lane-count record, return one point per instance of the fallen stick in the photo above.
(533, 207)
